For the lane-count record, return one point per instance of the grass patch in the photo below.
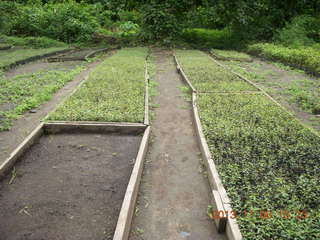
(31, 42)
(210, 38)
(13, 55)
(24, 92)
(307, 58)
(267, 161)
(205, 75)
(230, 55)
(114, 91)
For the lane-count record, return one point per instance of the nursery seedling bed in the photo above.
(206, 75)
(295, 90)
(78, 55)
(226, 55)
(29, 120)
(268, 163)
(68, 185)
(114, 92)
(14, 57)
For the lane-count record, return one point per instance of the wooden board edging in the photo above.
(128, 206)
(21, 149)
(232, 229)
(184, 76)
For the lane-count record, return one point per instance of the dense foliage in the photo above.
(267, 162)
(307, 57)
(207, 76)
(114, 91)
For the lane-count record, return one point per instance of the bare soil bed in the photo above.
(68, 186)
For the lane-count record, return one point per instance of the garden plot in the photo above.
(229, 55)
(23, 92)
(77, 55)
(14, 56)
(114, 91)
(69, 185)
(207, 76)
(268, 163)
(294, 89)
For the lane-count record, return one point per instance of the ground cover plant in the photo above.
(11, 56)
(114, 91)
(306, 57)
(205, 75)
(27, 91)
(230, 55)
(269, 165)
(282, 81)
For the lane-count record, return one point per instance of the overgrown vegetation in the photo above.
(114, 91)
(207, 76)
(28, 91)
(31, 42)
(268, 162)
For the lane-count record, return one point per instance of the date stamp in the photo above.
(261, 214)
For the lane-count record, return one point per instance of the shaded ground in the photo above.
(174, 193)
(284, 84)
(22, 127)
(68, 186)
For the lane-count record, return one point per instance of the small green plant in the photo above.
(114, 91)
(268, 162)
(207, 76)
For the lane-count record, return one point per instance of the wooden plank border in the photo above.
(21, 149)
(184, 76)
(146, 94)
(229, 226)
(128, 206)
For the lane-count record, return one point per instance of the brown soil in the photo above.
(174, 193)
(275, 81)
(22, 127)
(68, 186)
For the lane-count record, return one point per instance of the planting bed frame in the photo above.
(34, 58)
(64, 58)
(220, 199)
(52, 127)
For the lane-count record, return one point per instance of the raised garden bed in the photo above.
(114, 91)
(207, 76)
(13, 57)
(78, 55)
(27, 91)
(268, 163)
(72, 182)
(229, 55)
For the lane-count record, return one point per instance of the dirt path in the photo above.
(174, 194)
(22, 127)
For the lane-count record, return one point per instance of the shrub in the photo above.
(299, 32)
(210, 38)
(307, 58)
(68, 22)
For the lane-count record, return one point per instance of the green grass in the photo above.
(24, 92)
(205, 75)
(114, 91)
(231, 55)
(307, 58)
(8, 57)
(31, 42)
(267, 161)
(211, 38)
